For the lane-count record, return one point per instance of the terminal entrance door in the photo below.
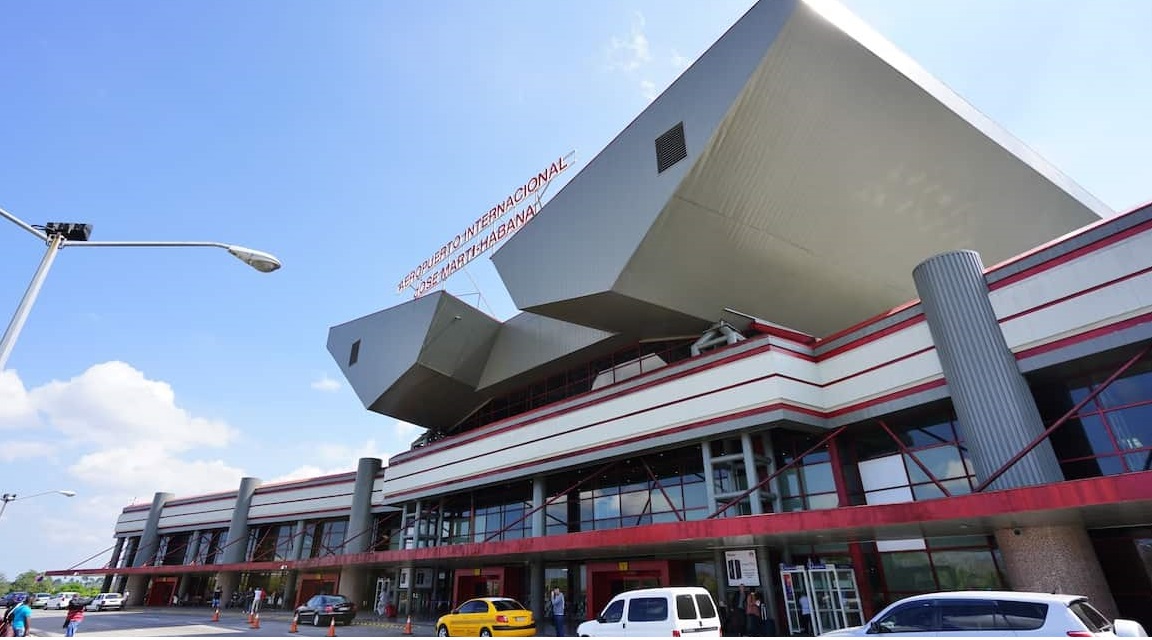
(819, 598)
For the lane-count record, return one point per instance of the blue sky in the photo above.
(351, 139)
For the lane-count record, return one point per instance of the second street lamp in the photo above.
(58, 235)
(12, 497)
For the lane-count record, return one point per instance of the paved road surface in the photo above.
(179, 622)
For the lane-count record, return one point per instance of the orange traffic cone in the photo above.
(292, 627)
(408, 625)
(332, 628)
(216, 616)
(251, 618)
(256, 622)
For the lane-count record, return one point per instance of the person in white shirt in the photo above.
(805, 613)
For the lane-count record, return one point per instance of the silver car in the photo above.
(994, 613)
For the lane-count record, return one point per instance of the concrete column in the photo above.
(1055, 559)
(193, 549)
(774, 483)
(297, 551)
(709, 476)
(236, 542)
(353, 584)
(536, 595)
(358, 536)
(539, 529)
(134, 589)
(236, 546)
(150, 539)
(767, 582)
(993, 403)
(750, 472)
(112, 564)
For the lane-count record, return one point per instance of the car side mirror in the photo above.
(875, 628)
(602, 620)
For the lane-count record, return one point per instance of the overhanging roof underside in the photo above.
(826, 181)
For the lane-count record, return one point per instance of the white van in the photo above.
(664, 611)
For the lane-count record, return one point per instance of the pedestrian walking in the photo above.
(22, 616)
(558, 612)
(73, 618)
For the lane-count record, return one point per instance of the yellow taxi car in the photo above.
(486, 617)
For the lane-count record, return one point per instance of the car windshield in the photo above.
(507, 605)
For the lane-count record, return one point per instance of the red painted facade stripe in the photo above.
(1135, 488)
(1069, 256)
(548, 411)
(872, 337)
(785, 334)
(1087, 335)
(1077, 294)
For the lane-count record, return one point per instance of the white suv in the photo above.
(105, 601)
(994, 613)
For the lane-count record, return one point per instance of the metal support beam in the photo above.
(904, 450)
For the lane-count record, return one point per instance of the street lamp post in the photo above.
(58, 235)
(12, 497)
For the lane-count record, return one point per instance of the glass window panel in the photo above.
(607, 523)
(823, 501)
(957, 541)
(942, 462)
(1127, 390)
(957, 570)
(790, 482)
(929, 436)
(1097, 434)
(660, 501)
(695, 496)
(818, 478)
(908, 571)
(874, 444)
(664, 516)
(1078, 394)
(883, 473)
(792, 504)
(607, 507)
(634, 503)
(1132, 427)
(816, 457)
(1140, 461)
(929, 490)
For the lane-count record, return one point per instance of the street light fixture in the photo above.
(58, 235)
(12, 497)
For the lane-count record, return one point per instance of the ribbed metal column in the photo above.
(151, 536)
(358, 538)
(193, 549)
(539, 521)
(237, 544)
(750, 474)
(995, 407)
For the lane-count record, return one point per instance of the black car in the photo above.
(322, 610)
(13, 598)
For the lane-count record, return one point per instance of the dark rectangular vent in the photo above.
(670, 148)
(354, 354)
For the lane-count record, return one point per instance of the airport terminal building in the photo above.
(809, 325)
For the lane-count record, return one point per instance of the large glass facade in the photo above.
(1112, 432)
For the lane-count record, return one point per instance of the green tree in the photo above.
(26, 582)
(5, 586)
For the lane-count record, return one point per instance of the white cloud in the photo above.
(325, 383)
(112, 435)
(631, 52)
(11, 450)
(15, 406)
(113, 402)
(679, 62)
(648, 89)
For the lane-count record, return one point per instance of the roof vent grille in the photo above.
(670, 148)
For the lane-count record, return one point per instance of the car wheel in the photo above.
(315, 619)
(442, 631)
(484, 633)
